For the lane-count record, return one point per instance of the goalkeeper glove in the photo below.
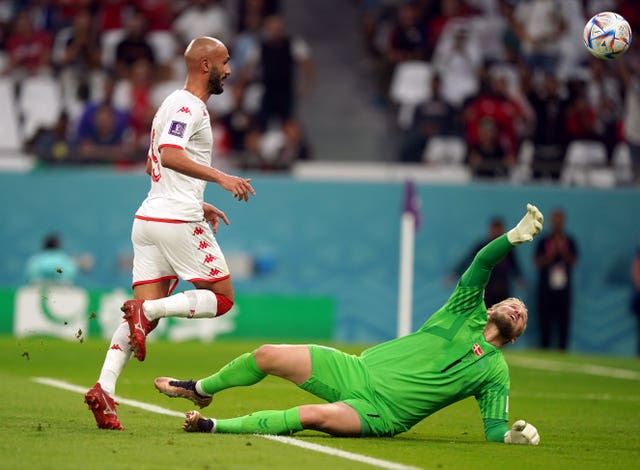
(522, 432)
(528, 227)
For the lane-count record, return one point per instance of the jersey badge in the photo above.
(477, 350)
(177, 128)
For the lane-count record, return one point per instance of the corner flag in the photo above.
(411, 221)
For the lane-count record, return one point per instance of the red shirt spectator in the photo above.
(28, 49)
(496, 106)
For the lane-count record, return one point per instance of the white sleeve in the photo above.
(180, 125)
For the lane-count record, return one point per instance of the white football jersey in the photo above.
(182, 121)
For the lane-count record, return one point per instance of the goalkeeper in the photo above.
(390, 387)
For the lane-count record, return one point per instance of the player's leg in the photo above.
(291, 362)
(337, 419)
(100, 398)
(193, 253)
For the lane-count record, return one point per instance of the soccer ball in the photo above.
(607, 35)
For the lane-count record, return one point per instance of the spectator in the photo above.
(246, 40)
(580, 118)
(52, 264)
(550, 108)
(491, 123)
(540, 27)
(434, 117)
(556, 255)
(102, 137)
(133, 95)
(486, 157)
(458, 60)
(261, 8)
(160, 15)
(51, 145)
(504, 274)
(77, 55)
(28, 49)
(134, 46)
(635, 298)
(408, 37)
(203, 18)
(277, 59)
(603, 94)
(78, 46)
(450, 11)
(629, 68)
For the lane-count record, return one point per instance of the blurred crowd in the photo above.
(511, 80)
(83, 78)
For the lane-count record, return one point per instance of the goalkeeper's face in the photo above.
(510, 317)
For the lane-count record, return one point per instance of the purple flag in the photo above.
(412, 203)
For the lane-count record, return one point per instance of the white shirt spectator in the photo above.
(203, 18)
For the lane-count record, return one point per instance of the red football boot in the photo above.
(103, 407)
(139, 327)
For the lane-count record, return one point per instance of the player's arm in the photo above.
(493, 402)
(491, 254)
(176, 159)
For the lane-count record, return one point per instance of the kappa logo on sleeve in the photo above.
(177, 128)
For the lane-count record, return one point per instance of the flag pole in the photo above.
(409, 223)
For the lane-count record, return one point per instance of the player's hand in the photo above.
(240, 187)
(522, 432)
(528, 227)
(213, 215)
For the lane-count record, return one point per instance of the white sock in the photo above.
(200, 391)
(116, 359)
(197, 303)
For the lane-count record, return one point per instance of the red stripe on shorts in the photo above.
(166, 221)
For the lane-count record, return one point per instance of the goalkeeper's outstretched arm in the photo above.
(480, 270)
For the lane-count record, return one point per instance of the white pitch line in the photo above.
(588, 369)
(285, 440)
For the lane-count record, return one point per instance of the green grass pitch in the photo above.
(587, 417)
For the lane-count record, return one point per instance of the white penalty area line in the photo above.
(285, 440)
(588, 369)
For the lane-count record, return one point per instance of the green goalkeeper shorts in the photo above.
(340, 377)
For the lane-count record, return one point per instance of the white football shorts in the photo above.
(169, 249)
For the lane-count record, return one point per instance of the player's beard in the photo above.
(504, 324)
(215, 82)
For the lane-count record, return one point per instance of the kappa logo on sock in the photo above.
(116, 347)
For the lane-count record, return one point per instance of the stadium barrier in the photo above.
(75, 313)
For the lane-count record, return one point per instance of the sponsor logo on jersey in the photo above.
(177, 128)
(185, 110)
(477, 350)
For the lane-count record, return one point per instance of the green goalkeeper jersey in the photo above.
(448, 358)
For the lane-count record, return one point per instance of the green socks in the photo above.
(262, 422)
(242, 371)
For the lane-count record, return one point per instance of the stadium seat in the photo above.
(622, 165)
(40, 103)
(522, 171)
(164, 46)
(583, 160)
(410, 86)
(110, 40)
(445, 150)
(10, 130)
